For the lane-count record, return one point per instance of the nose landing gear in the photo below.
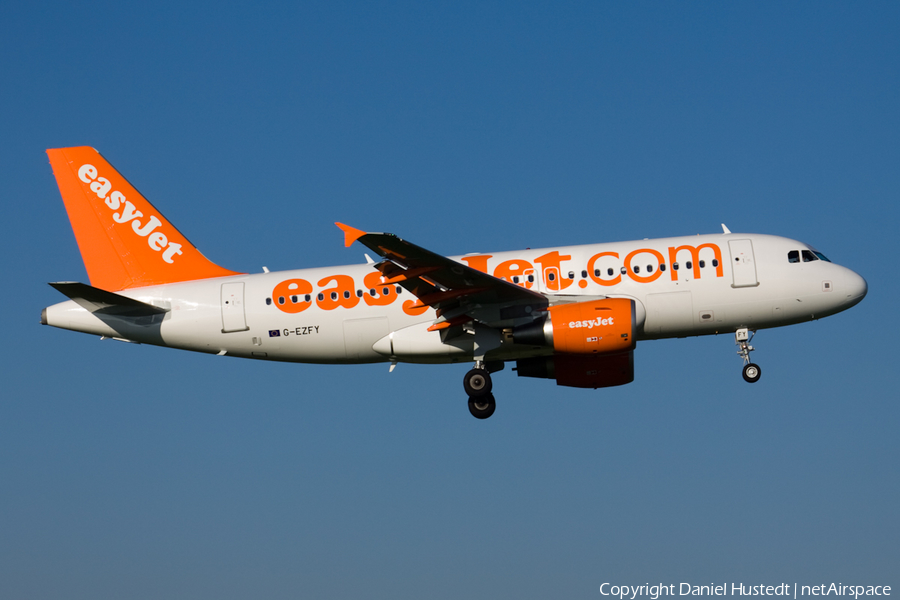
(742, 337)
(478, 385)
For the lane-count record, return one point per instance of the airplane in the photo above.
(572, 314)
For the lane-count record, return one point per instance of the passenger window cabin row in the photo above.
(334, 296)
(516, 279)
(610, 271)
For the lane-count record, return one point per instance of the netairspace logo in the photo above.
(654, 592)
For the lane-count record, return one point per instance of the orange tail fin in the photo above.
(124, 241)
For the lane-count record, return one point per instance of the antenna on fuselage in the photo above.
(725, 229)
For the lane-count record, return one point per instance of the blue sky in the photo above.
(132, 471)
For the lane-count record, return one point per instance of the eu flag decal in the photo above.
(274, 333)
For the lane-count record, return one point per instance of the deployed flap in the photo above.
(442, 283)
(100, 301)
(124, 241)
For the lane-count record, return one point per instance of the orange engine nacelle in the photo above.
(595, 327)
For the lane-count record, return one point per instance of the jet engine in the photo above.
(594, 327)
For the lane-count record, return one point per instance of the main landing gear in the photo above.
(477, 384)
(742, 338)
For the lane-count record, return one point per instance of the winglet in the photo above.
(351, 234)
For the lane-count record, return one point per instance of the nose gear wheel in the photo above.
(751, 373)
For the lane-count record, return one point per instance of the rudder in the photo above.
(124, 241)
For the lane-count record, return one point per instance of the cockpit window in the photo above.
(794, 256)
(818, 255)
(808, 256)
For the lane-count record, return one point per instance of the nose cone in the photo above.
(854, 288)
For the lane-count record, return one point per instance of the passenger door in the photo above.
(233, 318)
(743, 265)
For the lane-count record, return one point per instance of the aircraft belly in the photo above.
(360, 335)
(705, 311)
(317, 336)
(669, 314)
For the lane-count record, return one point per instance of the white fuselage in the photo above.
(722, 283)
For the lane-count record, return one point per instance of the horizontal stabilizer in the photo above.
(100, 301)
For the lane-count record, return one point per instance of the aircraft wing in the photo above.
(456, 291)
